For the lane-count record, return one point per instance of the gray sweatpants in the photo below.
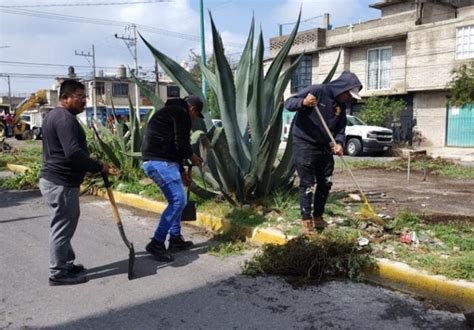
(63, 203)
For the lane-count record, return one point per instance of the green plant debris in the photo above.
(22, 181)
(27, 157)
(314, 258)
(246, 216)
(228, 244)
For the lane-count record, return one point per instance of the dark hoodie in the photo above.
(308, 129)
(168, 133)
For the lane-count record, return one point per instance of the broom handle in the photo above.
(340, 156)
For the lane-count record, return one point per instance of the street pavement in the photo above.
(196, 291)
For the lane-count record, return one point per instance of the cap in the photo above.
(355, 93)
(196, 102)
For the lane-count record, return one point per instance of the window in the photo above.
(302, 76)
(119, 89)
(99, 88)
(379, 66)
(150, 86)
(172, 91)
(465, 42)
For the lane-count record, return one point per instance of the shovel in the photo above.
(131, 254)
(189, 212)
(367, 211)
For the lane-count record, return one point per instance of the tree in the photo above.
(378, 110)
(195, 70)
(462, 85)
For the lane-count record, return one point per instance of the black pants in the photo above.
(313, 166)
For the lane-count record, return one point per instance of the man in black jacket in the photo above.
(165, 147)
(65, 162)
(313, 152)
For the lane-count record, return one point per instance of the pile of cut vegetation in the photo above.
(334, 253)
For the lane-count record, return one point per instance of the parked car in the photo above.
(217, 122)
(362, 138)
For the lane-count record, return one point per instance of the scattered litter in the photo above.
(355, 197)
(363, 241)
(456, 249)
(408, 237)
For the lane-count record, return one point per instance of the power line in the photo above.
(79, 19)
(85, 4)
(15, 63)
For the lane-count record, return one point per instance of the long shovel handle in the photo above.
(115, 212)
(328, 131)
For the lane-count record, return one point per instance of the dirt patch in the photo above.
(436, 199)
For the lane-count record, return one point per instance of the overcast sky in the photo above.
(44, 34)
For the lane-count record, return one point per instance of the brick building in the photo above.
(409, 53)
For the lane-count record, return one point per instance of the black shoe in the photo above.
(179, 244)
(76, 269)
(158, 250)
(68, 279)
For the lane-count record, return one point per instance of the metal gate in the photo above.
(460, 130)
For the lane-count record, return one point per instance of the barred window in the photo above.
(465, 42)
(119, 89)
(378, 69)
(301, 78)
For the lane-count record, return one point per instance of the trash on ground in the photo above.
(362, 241)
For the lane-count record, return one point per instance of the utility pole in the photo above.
(203, 51)
(94, 92)
(131, 42)
(10, 96)
(157, 79)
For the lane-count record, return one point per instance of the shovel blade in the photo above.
(189, 212)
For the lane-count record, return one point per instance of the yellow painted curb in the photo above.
(402, 277)
(17, 168)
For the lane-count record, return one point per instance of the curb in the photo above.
(391, 274)
(17, 168)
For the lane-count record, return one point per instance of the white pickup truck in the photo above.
(362, 138)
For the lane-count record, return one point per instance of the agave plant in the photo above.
(241, 157)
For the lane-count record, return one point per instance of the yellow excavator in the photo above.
(20, 128)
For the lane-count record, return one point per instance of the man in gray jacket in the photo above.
(65, 162)
(311, 143)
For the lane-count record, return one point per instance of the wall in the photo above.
(398, 8)
(431, 54)
(430, 112)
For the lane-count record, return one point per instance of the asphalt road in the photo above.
(196, 291)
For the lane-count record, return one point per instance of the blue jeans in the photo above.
(167, 176)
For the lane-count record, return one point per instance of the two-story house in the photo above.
(409, 53)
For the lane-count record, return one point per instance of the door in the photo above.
(460, 132)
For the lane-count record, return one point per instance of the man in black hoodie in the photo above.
(65, 162)
(312, 145)
(165, 147)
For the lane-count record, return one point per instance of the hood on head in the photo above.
(347, 81)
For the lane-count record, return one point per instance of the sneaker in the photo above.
(67, 279)
(158, 250)
(179, 244)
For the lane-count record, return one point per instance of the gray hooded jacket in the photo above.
(308, 129)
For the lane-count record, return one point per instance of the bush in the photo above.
(378, 110)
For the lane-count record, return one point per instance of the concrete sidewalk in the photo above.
(463, 155)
